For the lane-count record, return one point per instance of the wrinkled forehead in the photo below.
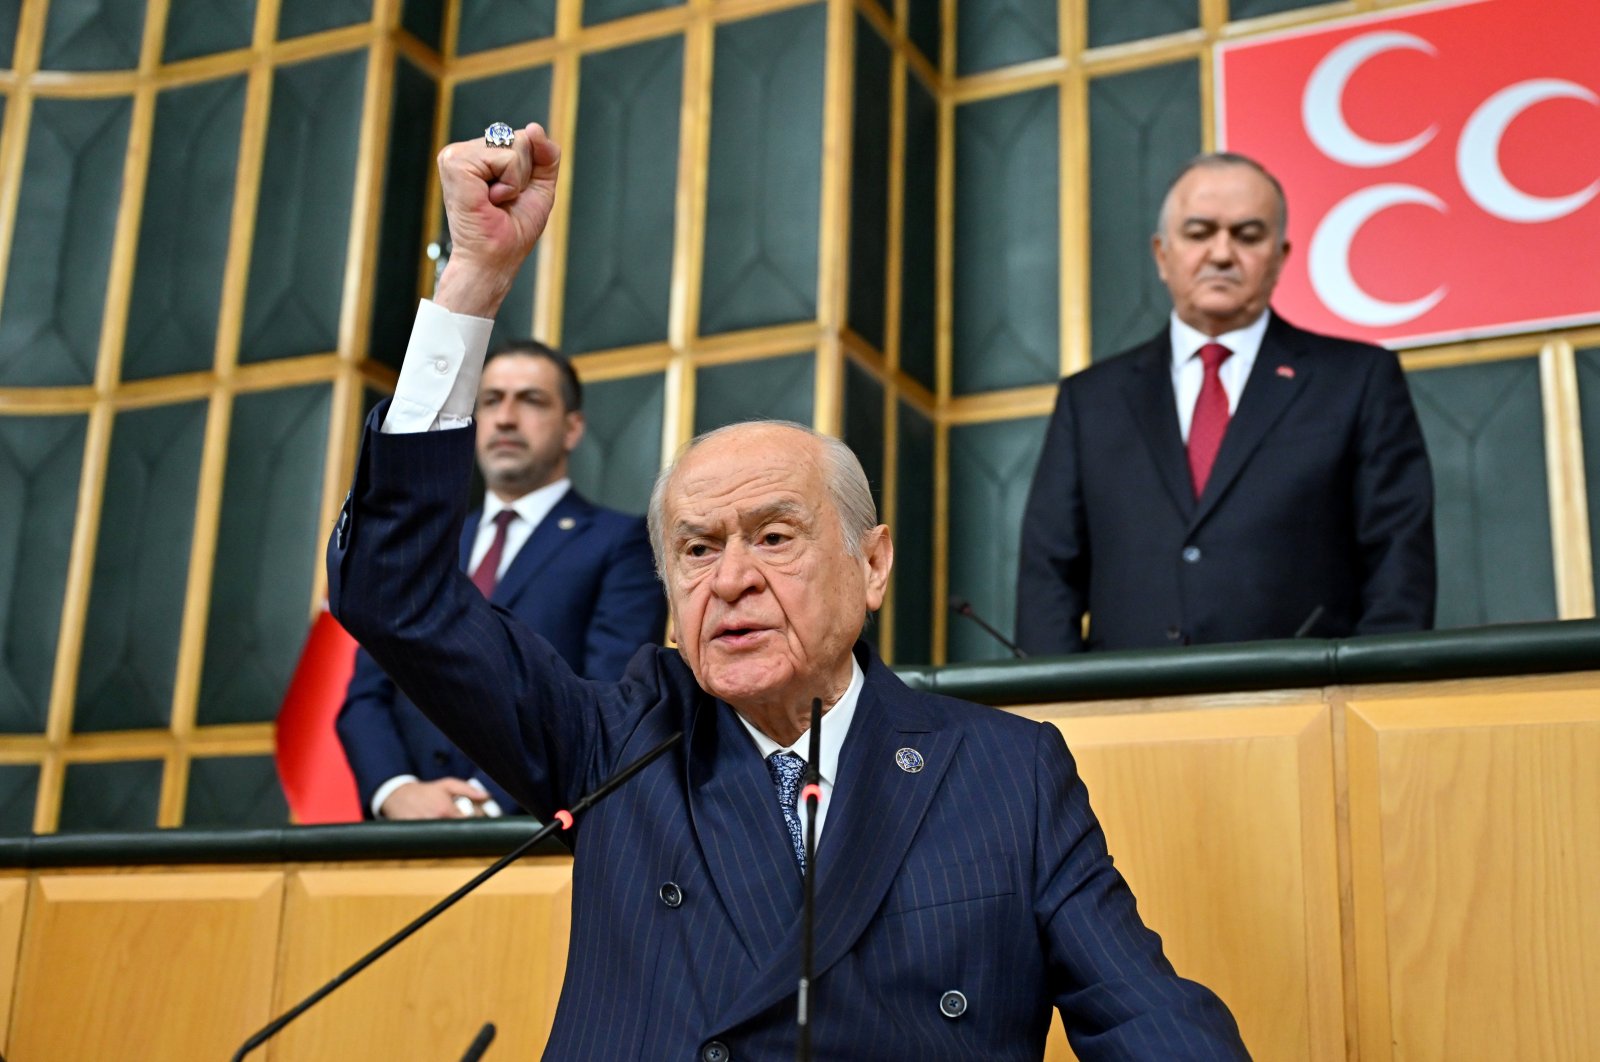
(761, 466)
(1228, 193)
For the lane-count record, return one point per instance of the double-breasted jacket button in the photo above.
(672, 896)
(952, 1004)
(1192, 554)
(716, 1051)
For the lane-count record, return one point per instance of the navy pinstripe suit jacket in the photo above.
(986, 872)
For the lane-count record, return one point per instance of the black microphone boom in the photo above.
(811, 795)
(962, 607)
(480, 1043)
(561, 820)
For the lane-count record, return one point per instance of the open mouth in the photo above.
(738, 636)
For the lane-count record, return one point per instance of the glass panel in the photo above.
(1484, 426)
(1238, 9)
(863, 424)
(204, 27)
(1006, 329)
(110, 796)
(183, 234)
(130, 638)
(619, 270)
(997, 33)
(92, 35)
(235, 792)
(269, 539)
(1117, 21)
(8, 33)
(1143, 126)
(493, 23)
(400, 234)
(40, 463)
(296, 18)
(523, 92)
(61, 246)
(1589, 405)
(918, 277)
(869, 186)
(616, 462)
(926, 28)
(764, 179)
(303, 216)
(424, 19)
(779, 388)
(597, 11)
(19, 790)
(991, 468)
(913, 540)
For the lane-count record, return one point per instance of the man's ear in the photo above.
(877, 552)
(574, 434)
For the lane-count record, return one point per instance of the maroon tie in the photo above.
(488, 571)
(1210, 417)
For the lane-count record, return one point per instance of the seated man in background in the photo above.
(579, 574)
(1233, 478)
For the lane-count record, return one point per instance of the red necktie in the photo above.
(1210, 417)
(488, 571)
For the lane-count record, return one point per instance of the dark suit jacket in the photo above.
(588, 587)
(986, 872)
(1320, 502)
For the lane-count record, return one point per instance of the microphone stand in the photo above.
(480, 1043)
(810, 796)
(962, 607)
(561, 820)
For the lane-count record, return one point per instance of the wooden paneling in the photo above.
(157, 965)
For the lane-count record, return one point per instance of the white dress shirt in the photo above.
(1188, 372)
(531, 509)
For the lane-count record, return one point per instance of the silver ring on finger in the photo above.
(499, 134)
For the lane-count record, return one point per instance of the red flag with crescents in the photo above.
(311, 764)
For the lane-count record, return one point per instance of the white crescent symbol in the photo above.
(1329, 263)
(1478, 153)
(1322, 106)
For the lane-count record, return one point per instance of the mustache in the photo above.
(507, 437)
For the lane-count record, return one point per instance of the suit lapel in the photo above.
(879, 808)
(1275, 379)
(564, 523)
(1148, 391)
(469, 535)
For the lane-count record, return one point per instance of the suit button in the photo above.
(441, 757)
(952, 1004)
(671, 895)
(715, 1051)
(1191, 554)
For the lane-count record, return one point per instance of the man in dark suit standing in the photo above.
(579, 574)
(1234, 478)
(963, 885)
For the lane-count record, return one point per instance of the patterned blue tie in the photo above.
(786, 769)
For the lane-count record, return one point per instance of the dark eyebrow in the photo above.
(778, 510)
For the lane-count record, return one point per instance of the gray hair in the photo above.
(1216, 160)
(842, 477)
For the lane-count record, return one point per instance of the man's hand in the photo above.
(497, 201)
(433, 800)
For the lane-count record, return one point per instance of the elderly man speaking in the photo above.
(963, 884)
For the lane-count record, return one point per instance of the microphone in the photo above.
(962, 607)
(480, 1043)
(810, 796)
(562, 819)
(1311, 621)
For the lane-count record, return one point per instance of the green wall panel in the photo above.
(19, 791)
(764, 177)
(424, 19)
(912, 532)
(991, 467)
(1006, 323)
(918, 235)
(40, 463)
(863, 424)
(1484, 427)
(616, 462)
(869, 186)
(926, 28)
(130, 640)
(8, 33)
(1143, 126)
(619, 270)
(777, 388)
(995, 33)
(110, 796)
(268, 546)
(92, 34)
(234, 792)
(1589, 404)
(303, 215)
(1238, 9)
(598, 11)
(518, 98)
(492, 23)
(183, 235)
(1117, 21)
(400, 234)
(61, 245)
(296, 18)
(205, 27)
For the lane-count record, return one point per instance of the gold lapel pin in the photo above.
(566, 523)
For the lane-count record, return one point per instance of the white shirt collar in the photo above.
(1244, 342)
(532, 507)
(835, 726)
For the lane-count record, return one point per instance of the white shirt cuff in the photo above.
(389, 787)
(438, 385)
